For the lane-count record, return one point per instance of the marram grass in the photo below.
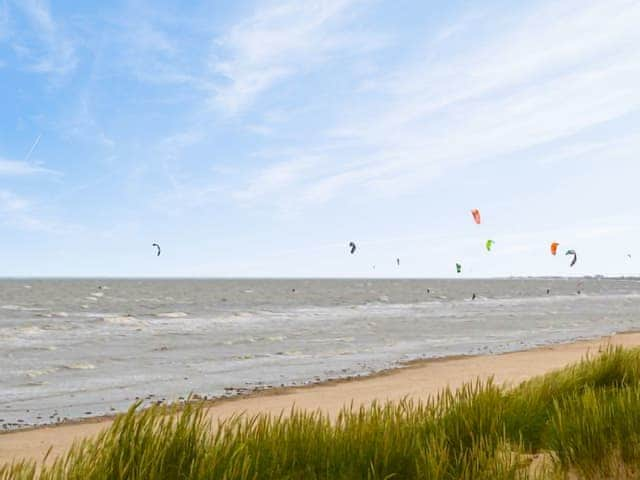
(583, 420)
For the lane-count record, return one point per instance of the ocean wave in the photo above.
(247, 356)
(276, 338)
(52, 314)
(293, 353)
(11, 307)
(33, 384)
(20, 308)
(31, 330)
(172, 315)
(123, 320)
(80, 366)
(101, 315)
(39, 373)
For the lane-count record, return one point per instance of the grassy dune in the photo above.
(583, 421)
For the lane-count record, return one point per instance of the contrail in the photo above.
(33, 147)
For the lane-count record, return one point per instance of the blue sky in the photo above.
(259, 138)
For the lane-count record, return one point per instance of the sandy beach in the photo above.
(417, 380)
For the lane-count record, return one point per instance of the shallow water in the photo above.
(74, 348)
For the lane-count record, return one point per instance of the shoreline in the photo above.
(418, 379)
(268, 391)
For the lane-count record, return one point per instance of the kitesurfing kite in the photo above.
(489, 244)
(158, 249)
(458, 268)
(352, 247)
(476, 215)
(575, 257)
(398, 261)
(554, 248)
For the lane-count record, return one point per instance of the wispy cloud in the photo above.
(277, 178)
(19, 168)
(278, 41)
(4, 20)
(156, 55)
(11, 203)
(16, 212)
(53, 52)
(554, 72)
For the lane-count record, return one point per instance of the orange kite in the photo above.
(476, 215)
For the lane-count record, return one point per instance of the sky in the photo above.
(258, 138)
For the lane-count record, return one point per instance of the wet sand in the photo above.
(417, 380)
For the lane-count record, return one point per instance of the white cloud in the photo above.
(156, 56)
(16, 212)
(19, 212)
(553, 73)
(18, 168)
(55, 52)
(280, 40)
(10, 203)
(276, 178)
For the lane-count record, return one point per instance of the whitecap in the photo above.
(39, 373)
(172, 315)
(11, 307)
(294, 353)
(276, 338)
(31, 330)
(22, 309)
(123, 320)
(33, 384)
(80, 366)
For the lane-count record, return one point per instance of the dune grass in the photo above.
(585, 419)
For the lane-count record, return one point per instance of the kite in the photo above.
(489, 244)
(352, 247)
(398, 261)
(554, 248)
(575, 257)
(157, 247)
(476, 215)
(458, 268)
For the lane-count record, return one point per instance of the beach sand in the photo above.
(417, 380)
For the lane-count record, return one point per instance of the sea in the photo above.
(71, 349)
